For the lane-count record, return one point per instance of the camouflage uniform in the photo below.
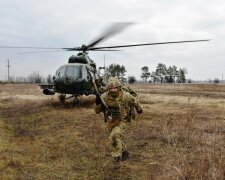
(134, 94)
(128, 89)
(120, 106)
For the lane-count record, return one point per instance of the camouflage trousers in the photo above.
(115, 138)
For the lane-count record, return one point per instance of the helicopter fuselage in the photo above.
(75, 78)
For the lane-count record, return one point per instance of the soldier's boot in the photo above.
(116, 160)
(125, 155)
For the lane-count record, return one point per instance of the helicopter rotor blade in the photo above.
(106, 50)
(49, 48)
(23, 47)
(148, 44)
(111, 31)
(35, 52)
(72, 49)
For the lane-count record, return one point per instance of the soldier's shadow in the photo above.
(116, 172)
(81, 103)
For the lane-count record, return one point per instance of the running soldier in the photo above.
(118, 105)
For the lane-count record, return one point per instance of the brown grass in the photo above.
(187, 90)
(177, 137)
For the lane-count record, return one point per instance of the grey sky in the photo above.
(69, 23)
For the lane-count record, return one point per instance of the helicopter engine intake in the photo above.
(48, 92)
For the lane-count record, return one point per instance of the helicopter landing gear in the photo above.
(62, 98)
(75, 101)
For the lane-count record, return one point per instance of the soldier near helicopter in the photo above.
(125, 88)
(118, 104)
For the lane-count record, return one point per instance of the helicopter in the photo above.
(76, 78)
(80, 75)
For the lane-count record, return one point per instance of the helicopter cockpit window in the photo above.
(60, 72)
(77, 72)
(73, 71)
(69, 71)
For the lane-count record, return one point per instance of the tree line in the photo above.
(163, 74)
(33, 78)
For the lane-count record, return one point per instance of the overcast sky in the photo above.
(69, 23)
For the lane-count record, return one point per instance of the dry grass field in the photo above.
(180, 135)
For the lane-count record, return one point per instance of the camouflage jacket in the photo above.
(129, 90)
(120, 107)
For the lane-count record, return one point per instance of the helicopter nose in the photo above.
(68, 81)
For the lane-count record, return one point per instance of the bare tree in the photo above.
(34, 77)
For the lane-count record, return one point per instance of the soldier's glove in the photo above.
(140, 111)
(97, 100)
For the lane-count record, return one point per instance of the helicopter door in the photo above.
(86, 84)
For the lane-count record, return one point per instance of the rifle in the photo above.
(106, 109)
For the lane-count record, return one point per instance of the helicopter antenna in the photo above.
(8, 66)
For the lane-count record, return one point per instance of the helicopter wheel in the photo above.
(62, 98)
(75, 101)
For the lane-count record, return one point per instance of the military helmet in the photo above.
(113, 82)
